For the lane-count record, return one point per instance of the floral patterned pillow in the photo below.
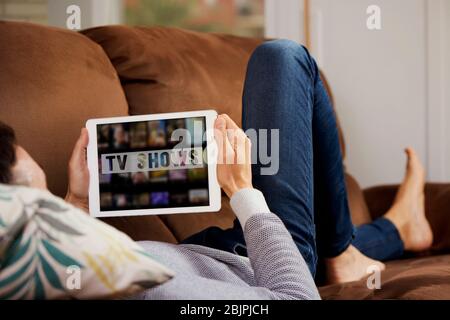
(51, 250)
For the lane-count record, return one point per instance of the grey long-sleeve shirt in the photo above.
(274, 269)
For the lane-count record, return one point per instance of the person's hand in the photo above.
(234, 170)
(78, 189)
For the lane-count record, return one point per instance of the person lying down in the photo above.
(285, 222)
(274, 269)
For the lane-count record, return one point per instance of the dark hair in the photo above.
(7, 152)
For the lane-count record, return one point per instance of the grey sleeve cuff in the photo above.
(247, 203)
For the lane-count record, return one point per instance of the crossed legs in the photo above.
(283, 91)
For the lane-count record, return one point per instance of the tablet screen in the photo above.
(153, 164)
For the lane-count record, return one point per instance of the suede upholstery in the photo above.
(164, 69)
(412, 279)
(437, 209)
(53, 80)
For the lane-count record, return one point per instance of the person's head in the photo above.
(16, 165)
(7, 153)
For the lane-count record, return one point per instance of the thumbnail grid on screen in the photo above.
(156, 188)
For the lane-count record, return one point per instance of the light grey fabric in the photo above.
(246, 203)
(275, 268)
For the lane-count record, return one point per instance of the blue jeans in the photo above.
(283, 90)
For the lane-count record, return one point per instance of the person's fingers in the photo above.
(233, 130)
(236, 138)
(228, 144)
(219, 136)
(239, 143)
(248, 151)
(84, 138)
(230, 123)
(79, 150)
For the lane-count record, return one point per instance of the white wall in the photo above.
(284, 19)
(390, 86)
(445, 102)
(439, 89)
(93, 12)
(379, 82)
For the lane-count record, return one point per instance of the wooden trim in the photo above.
(307, 23)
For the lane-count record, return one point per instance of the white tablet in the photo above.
(153, 164)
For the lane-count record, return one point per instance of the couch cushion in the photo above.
(418, 278)
(437, 204)
(168, 69)
(51, 81)
(357, 204)
(141, 228)
(173, 70)
(185, 225)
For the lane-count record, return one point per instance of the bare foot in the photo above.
(351, 265)
(408, 211)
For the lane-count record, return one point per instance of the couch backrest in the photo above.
(169, 69)
(51, 81)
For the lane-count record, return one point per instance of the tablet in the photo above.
(153, 164)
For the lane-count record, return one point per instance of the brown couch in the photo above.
(52, 80)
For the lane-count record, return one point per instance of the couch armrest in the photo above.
(142, 228)
(379, 199)
(437, 207)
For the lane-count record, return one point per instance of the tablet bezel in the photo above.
(211, 147)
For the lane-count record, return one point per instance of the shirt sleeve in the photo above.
(246, 203)
(278, 265)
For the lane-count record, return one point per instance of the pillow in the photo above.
(51, 250)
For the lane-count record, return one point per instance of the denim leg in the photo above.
(279, 95)
(230, 240)
(283, 91)
(379, 240)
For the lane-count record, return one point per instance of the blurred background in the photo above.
(391, 86)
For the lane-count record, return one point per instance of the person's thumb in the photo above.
(79, 151)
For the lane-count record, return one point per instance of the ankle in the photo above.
(398, 220)
(345, 256)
